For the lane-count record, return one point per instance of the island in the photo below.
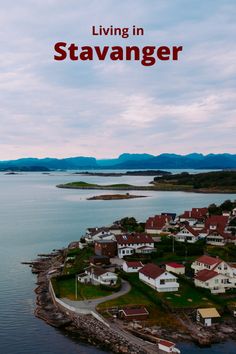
(128, 173)
(208, 182)
(116, 196)
(140, 287)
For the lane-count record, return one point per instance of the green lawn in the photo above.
(65, 287)
(142, 295)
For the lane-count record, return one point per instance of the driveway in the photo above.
(91, 304)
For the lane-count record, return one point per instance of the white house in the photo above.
(158, 278)
(219, 238)
(187, 234)
(129, 243)
(209, 279)
(99, 234)
(176, 268)
(214, 265)
(132, 267)
(205, 262)
(97, 275)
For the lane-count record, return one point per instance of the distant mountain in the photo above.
(126, 161)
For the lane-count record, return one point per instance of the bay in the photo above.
(36, 217)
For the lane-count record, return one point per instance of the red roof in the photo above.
(195, 213)
(134, 264)
(218, 221)
(157, 222)
(208, 260)
(175, 265)
(135, 311)
(190, 229)
(205, 274)
(151, 270)
(133, 238)
(166, 343)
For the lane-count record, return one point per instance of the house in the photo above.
(219, 238)
(187, 234)
(194, 216)
(132, 267)
(215, 223)
(205, 262)
(98, 233)
(176, 268)
(166, 346)
(158, 278)
(105, 248)
(97, 276)
(137, 314)
(215, 282)
(129, 243)
(207, 316)
(158, 224)
(217, 265)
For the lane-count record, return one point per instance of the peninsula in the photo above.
(208, 182)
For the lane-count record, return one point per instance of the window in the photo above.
(162, 281)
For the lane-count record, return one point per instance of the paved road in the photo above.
(91, 305)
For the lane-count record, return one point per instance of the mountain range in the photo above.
(124, 161)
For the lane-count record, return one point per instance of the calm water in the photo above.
(36, 217)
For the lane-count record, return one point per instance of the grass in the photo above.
(65, 288)
(142, 295)
(80, 262)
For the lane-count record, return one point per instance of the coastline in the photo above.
(146, 188)
(90, 330)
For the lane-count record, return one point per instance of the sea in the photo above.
(36, 217)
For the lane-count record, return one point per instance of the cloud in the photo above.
(50, 108)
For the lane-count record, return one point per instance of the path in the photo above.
(91, 304)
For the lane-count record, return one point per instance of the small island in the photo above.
(116, 196)
(128, 173)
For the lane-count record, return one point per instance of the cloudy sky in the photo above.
(102, 109)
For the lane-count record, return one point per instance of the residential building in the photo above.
(209, 279)
(176, 268)
(132, 267)
(158, 224)
(97, 275)
(194, 216)
(158, 278)
(187, 234)
(130, 243)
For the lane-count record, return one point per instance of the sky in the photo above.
(102, 109)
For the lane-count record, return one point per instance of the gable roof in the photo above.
(134, 264)
(133, 238)
(157, 222)
(191, 230)
(152, 270)
(135, 311)
(175, 265)
(208, 260)
(166, 343)
(96, 270)
(195, 213)
(219, 221)
(205, 274)
(209, 313)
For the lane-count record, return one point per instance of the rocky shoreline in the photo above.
(88, 329)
